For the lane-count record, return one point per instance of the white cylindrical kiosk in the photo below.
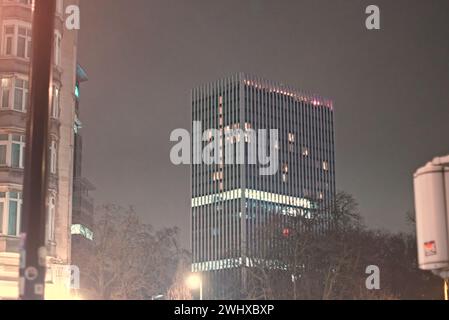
(431, 184)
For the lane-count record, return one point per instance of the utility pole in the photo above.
(33, 249)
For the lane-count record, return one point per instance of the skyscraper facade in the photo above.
(83, 203)
(15, 54)
(233, 202)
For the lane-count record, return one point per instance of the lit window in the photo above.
(24, 42)
(14, 94)
(285, 172)
(325, 166)
(57, 49)
(209, 135)
(291, 137)
(17, 150)
(247, 137)
(10, 212)
(12, 150)
(218, 176)
(305, 151)
(51, 212)
(3, 149)
(55, 101)
(17, 40)
(9, 34)
(53, 157)
(21, 95)
(5, 93)
(77, 91)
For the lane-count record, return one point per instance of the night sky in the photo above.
(390, 89)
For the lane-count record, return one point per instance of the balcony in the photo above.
(10, 118)
(11, 176)
(20, 11)
(16, 10)
(9, 244)
(15, 176)
(13, 64)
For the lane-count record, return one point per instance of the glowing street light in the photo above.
(195, 282)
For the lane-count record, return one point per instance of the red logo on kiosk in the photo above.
(430, 248)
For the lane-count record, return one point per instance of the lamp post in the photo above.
(33, 251)
(194, 281)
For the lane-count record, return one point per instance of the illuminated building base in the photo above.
(55, 288)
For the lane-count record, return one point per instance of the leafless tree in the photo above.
(128, 259)
(179, 290)
(331, 263)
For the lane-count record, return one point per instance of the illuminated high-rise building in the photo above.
(232, 203)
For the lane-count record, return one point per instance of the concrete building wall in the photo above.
(66, 143)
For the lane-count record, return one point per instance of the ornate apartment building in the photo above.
(15, 51)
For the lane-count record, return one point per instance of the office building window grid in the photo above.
(226, 232)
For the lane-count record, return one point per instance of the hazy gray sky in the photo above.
(390, 88)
